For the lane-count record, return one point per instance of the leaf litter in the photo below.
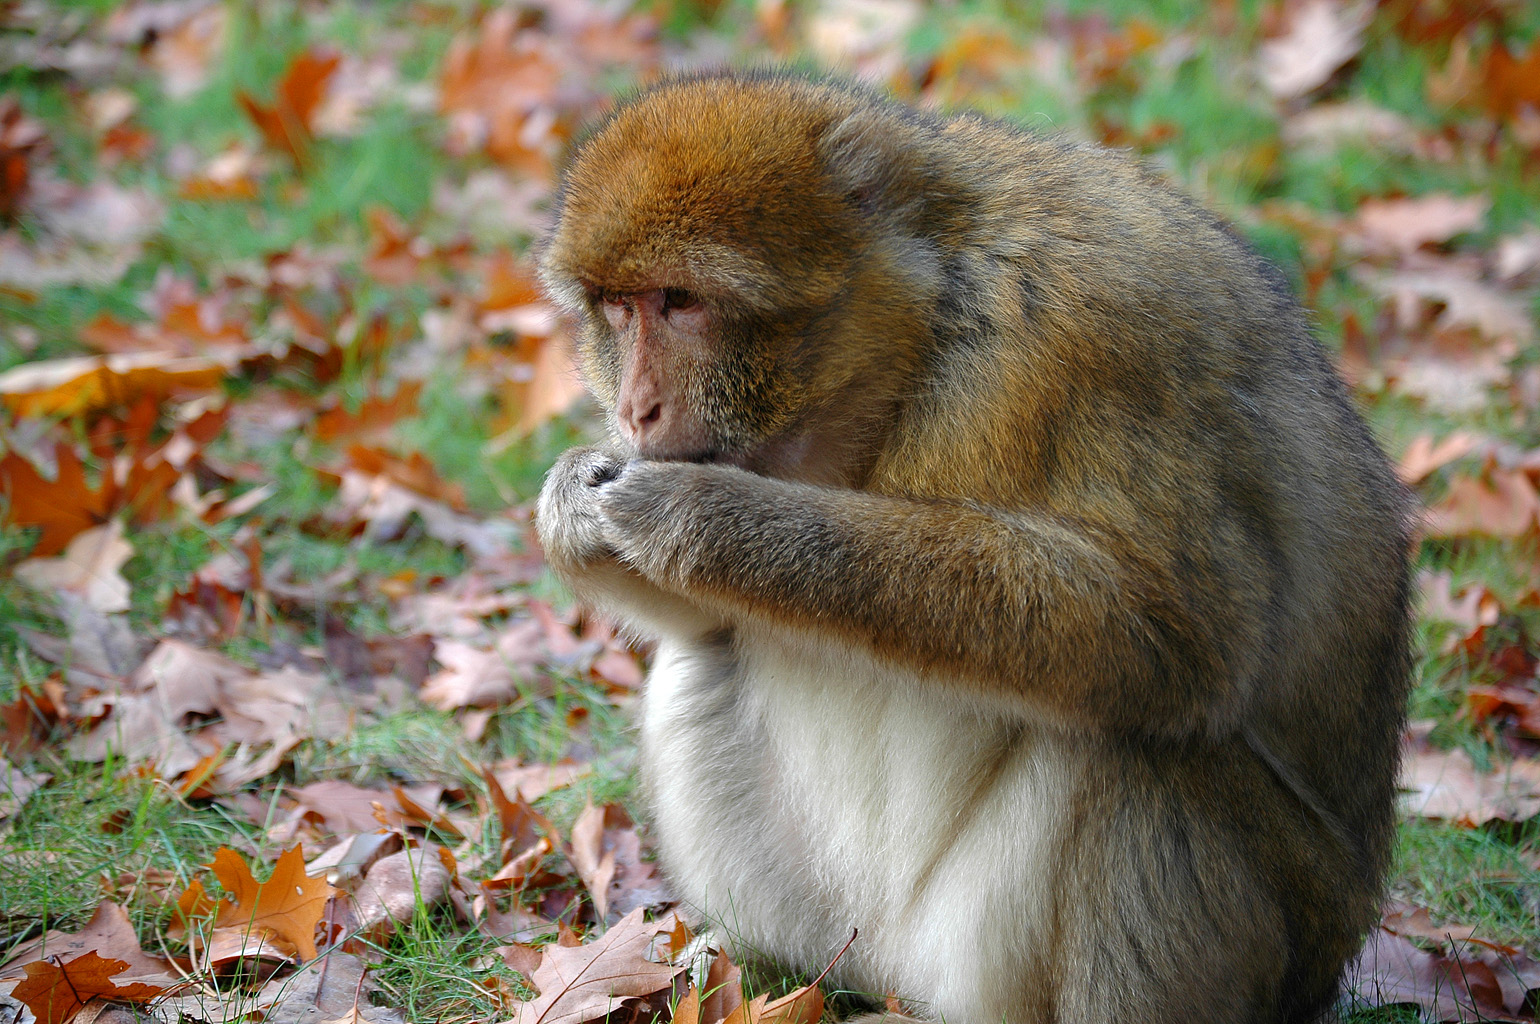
(158, 415)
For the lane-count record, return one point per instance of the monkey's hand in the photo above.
(583, 546)
(572, 529)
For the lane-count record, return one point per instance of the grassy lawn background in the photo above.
(302, 233)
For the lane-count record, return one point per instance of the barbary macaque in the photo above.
(1027, 592)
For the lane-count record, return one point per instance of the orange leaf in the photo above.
(63, 507)
(287, 125)
(804, 1006)
(55, 992)
(376, 415)
(65, 387)
(289, 904)
(1512, 83)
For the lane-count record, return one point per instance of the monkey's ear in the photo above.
(876, 159)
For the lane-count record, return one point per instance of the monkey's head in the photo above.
(729, 250)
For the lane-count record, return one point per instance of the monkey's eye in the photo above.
(611, 298)
(678, 298)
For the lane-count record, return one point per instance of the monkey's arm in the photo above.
(1051, 615)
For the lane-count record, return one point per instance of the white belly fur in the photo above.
(801, 792)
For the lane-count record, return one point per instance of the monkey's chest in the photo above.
(799, 793)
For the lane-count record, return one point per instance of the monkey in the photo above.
(1027, 593)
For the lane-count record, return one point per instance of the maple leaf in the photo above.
(289, 904)
(288, 125)
(585, 983)
(55, 992)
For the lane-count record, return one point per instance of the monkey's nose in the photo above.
(640, 419)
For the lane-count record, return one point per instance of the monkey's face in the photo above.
(702, 246)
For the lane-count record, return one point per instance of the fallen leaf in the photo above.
(1424, 456)
(109, 934)
(395, 887)
(55, 992)
(1465, 302)
(289, 904)
(90, 568)
(17, 785)
(288, 125)
(1499, 503)
(585, 983)
(64, 506)
(1402, 225)
(69, 387)
(1321, 36)
(533, 781)
(1392, 971)
(1446, 785)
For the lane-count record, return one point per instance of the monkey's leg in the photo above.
(1194, 890)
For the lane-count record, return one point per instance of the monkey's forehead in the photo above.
(700, 178)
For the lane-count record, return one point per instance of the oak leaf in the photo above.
(586, 983)
(1321, 37)
(64, 506)
(288, 125)
(55, 992)
(289, 904)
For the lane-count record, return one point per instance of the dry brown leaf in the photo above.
(524, 828)
(64, 506)
(475, 677)
(1424, 456)
(289, 904)
(110, 934)
(69, 387)
(1416, 923)
(55, 992)
(1322, 36)
(1446, 785)
(533, 781)
(396, 886)
(347, 808)
(595, 866)
(1500, 503)
(585, 983)
(1511, 84)
(1391, 971)
(1494, 314)
(17, 785)
(1351, 122)
(1402, 225)
(723, 990)
(288, 125)
(90, 568)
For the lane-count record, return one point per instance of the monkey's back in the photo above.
(1141, 372)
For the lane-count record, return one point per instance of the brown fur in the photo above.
(1007, 416)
